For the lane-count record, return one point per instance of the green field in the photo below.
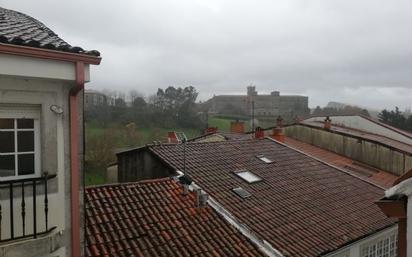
(144, 135)
(102, 143)
(116, 137)
(223, 124)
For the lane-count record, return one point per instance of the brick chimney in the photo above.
(237, 127)
(210, 130)
(328, 123)
(277, 132)
(259, 133)
(172, 137)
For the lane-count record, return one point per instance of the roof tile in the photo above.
(20, 29)
(155, 219)
(302, 206)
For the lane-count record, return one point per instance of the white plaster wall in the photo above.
(361, 123)
(42, 93)
(61, 252)
(38, 68)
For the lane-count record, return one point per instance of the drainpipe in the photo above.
(74, 160)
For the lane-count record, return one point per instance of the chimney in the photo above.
(185, 189)
(279, 122)
(259, 133)
(277, 133)
(237, 127)
(328, 123)
(210, 130)
(185, 180)
(201, 198)
(172, 138)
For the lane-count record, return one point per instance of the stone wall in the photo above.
(374, 154)
(265, 105)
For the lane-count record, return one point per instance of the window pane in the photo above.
(25, 123)
(26, 164)
(7, 142)
(6, 123)
(25, 141)
(248, 176)
(6, 165)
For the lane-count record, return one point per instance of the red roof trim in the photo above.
(48, 54)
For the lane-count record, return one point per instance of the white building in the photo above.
(41, 151)
(93, 98)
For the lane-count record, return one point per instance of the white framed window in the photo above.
(264, 158)
(20, 143)
(381, 247)
(248, 176)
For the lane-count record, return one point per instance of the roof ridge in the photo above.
(395, 129)
(140, 182)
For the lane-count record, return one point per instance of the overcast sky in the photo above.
(357, 52)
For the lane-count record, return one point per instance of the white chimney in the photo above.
(201, 198)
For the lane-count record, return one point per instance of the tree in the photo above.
(395, 118)
(119, 102)
(176, 106)
(99, 150)
(139, 103)
(318, 111)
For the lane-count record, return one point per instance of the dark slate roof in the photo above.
(153, 218)
(20, 29)
(302, 206)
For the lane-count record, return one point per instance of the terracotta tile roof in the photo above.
(153, 218)
(374, 175)
(302, 206)
(404, 147)
(20, 29)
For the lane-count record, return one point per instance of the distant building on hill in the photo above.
(95, 98)
(272, 105)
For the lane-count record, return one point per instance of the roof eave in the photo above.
(48, 54)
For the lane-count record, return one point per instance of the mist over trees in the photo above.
(168, 108)
(346, 110)
(396, 118)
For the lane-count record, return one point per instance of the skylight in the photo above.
(241, 192)
(264, 158)
(248, 176)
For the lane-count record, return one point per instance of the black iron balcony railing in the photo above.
(13, 187)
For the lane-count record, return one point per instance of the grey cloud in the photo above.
(331, 50)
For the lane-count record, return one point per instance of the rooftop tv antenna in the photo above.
(184, 156)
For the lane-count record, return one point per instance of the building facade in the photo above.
(41, 134)
(93, 98)
(273, 105)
